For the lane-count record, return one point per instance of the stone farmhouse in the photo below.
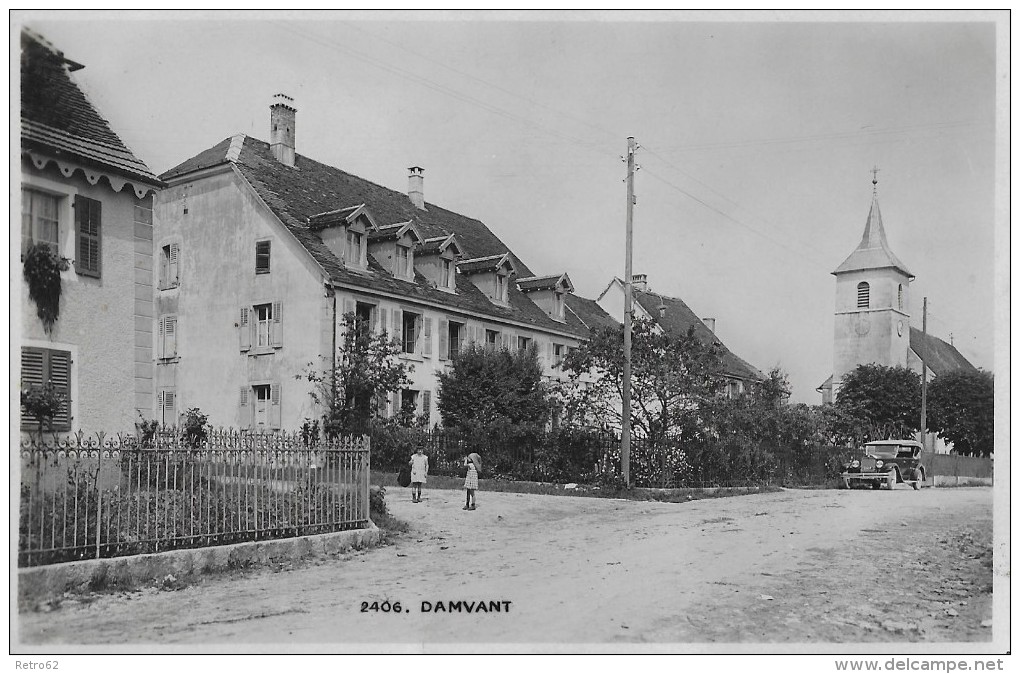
(260, 252)
(89, 199)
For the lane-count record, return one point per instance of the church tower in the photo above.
(872, 300)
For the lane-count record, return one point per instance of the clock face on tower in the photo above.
(862, 325)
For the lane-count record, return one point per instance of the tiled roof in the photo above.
(295, 193)
(543, 282)
(938, 356)
(679, 318)
(588, 313)
(479, 264)
(57, 117)
(873, 251)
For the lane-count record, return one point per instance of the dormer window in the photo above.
(501, 289)
(405, 262)
(549, 293)
(447, 274)
(355, 248)
(491, 274)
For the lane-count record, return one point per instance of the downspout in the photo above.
(332, 347)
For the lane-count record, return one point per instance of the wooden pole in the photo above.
(628, 300)
(924, 377)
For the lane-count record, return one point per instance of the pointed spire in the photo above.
(873, 252)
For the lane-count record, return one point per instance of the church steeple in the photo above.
(873, 252)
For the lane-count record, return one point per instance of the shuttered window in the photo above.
(863, 295)
(426, 405)
(167, 337)
(262, 249)
(39, 366)
(169, 271)
(88, 236)
(166, 407)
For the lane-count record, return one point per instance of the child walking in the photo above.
(419, 472)
(474, 466)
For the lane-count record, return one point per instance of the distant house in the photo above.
(262, 250)
(673, 316)
(89, 199)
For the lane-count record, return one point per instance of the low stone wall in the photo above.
(961, 481)
(39, 583)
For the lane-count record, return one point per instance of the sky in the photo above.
(757, 139)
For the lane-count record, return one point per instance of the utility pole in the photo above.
(628, 304)
(924, 378)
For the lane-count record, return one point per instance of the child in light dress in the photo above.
(473, 462)
(419, 472)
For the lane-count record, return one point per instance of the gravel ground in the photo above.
(796, 567)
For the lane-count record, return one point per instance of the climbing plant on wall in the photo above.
(42, 273)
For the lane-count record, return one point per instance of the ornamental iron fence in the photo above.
(91, 497)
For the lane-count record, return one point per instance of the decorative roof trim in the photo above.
(545, 282)
(92, 175)
(442, 243)
(499, 260)
(346, 216)
(397, 230)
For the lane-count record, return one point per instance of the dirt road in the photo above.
(790, 567)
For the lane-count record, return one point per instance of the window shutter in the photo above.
(552, 354)
(427, 347)
(170, 347)
(60, 375)
(380, 321)
(161, 338)
(275, 415)
(349, 306)
(164, 268)
(33, 373)
(245, 413)
(504, 339)
(398, 332)
(444, 338)
(426, 405)
(174, 274)
(276, 327)
(169, 408)
(87, 228)
(244, 328)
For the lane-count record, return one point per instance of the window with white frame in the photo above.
(523, 343)
(169, 269)
(455, 332)
(448, 275)
(492, 338)
(355, 245)
(40, 222)
(410, 330)
(501, 288)
(261, 326)
(405, 262)
(166, 346)
(557, 354)
(260, 406)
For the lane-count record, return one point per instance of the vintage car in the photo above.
(887, 462)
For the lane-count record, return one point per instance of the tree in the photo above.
(674, 378)
(882, 402)
(487, 389)
(365, 371)
(961, 409)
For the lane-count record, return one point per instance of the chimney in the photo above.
(416, 187)
(639, 282)
(282, 121)
(709, 323)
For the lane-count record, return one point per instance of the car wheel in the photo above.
(891, 479)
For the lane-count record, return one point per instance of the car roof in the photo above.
(894, 443)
